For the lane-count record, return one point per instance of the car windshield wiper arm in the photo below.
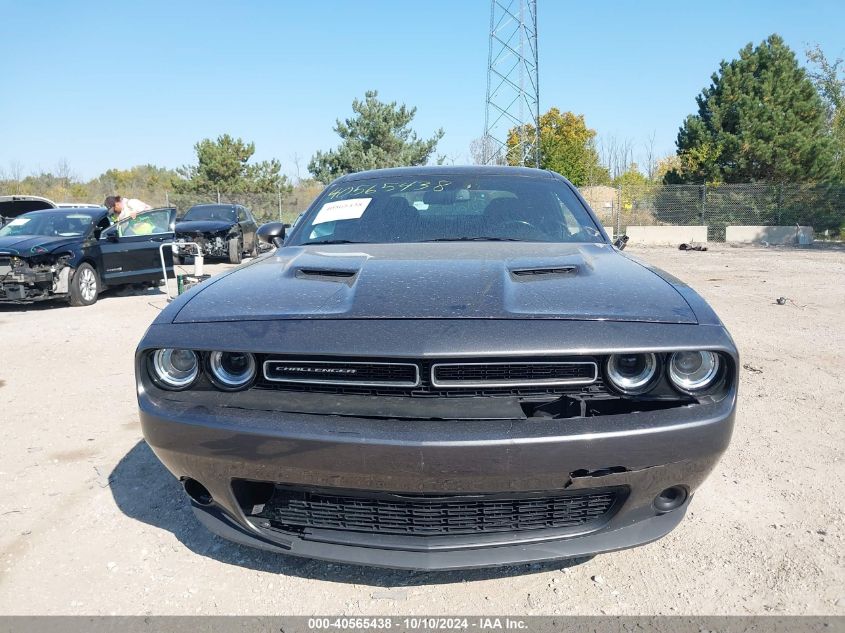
(476, 239)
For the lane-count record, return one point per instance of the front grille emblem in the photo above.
(349, 373)
(315, 370)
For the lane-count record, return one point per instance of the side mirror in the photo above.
(272, 233)
(621, 241)
(110, 234)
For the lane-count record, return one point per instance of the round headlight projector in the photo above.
(632, 373)
(231, 370)
(176, 368)
(693, 371)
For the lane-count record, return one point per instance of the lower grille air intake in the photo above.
(296, 509)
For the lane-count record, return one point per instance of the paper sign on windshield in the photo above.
(351, 209)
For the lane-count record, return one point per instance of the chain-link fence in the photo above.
(719, 206)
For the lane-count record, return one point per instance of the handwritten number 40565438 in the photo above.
(401, 187)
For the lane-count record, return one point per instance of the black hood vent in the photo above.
(326, 274)
(531, 273)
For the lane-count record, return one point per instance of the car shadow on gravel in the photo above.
(145, 491)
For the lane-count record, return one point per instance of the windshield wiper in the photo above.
(476, 239)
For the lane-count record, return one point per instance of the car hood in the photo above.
(203, 226)
(23, 245)
(494, 280)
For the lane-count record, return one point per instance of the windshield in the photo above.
(211, 212)
(57, 224)
(451, 208)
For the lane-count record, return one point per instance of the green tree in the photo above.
(761, 119)
(829, 78)
(567, 146)
(631, 177)
(147, 182)
(223, 164)
(377, 135)
(636, 192)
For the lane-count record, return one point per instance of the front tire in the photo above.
(85, 286)
(235, 250)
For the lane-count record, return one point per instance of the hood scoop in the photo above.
(525, 274)
(326, 274)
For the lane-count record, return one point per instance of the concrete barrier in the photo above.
(770, 234)
(666, 234)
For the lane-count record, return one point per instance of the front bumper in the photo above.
(210, 245)
(25, 284)
(642, 453)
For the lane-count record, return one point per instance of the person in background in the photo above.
(121, 208)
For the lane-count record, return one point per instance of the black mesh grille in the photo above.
(340, 372)
(312, 382)
(513, 372)
(295, 510)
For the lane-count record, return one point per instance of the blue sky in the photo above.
(103, 84)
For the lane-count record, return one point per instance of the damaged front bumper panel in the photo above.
(210, 245)
(436, 494)
(26, 281)
(427, 477)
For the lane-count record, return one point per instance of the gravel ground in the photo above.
(91, 523)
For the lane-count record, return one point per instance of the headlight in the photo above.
(175, 368)
(693, 371)
(632, 373)
(231, 370)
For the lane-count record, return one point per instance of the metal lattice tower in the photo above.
(513, 90)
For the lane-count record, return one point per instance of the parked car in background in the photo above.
(440, 368)
(221, 230)
(77, 205)
(75, 254)
(13, 206)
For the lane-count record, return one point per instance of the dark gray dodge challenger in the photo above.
(440, 368)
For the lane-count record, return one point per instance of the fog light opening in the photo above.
(196, 491)
(670, 499)
(252, 495)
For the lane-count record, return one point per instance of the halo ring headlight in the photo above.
(632, 373)
(175, 369)
(693, 371)
(231, 371)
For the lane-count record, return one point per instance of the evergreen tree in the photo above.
(761, 119)
(377, 136)
(224, 165)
